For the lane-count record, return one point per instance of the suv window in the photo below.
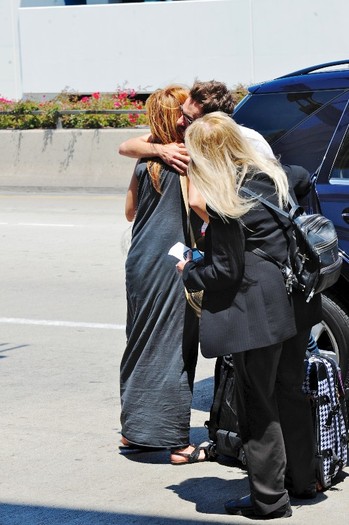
(298, 126)
(283, 111)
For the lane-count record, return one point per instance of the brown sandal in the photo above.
(194, 456)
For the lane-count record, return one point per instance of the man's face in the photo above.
(191, 110)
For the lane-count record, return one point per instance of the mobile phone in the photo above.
(196, 255)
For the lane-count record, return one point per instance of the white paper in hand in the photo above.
(178, 251)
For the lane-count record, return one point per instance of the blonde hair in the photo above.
(164, 109)
(221, 159)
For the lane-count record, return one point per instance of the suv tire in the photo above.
(332, 334)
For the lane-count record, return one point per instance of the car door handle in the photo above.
(345, 214)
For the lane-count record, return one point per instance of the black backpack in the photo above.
(314, 262)
(223, 428)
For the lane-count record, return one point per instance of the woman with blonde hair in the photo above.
(158, 365)
(247, 312)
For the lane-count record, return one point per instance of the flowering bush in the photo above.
(98, 111)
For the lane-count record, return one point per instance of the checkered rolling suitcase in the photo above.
(323, 383)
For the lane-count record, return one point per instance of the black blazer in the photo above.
(245, 303)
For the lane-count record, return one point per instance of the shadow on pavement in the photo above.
(210, 493)
(34, 515)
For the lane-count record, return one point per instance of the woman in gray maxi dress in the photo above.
(158, 365)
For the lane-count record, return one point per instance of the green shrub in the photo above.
(28, 114)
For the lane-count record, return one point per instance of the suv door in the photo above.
(332, 185)
(310, 128)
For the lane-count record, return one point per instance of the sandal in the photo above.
(194, 456)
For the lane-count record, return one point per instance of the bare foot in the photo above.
(125, 442)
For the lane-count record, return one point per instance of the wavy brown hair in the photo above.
(213, 96)
(163, 110)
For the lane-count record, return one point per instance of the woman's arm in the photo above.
(131, 198)
(224, 259)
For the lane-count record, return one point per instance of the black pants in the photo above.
(275, 421)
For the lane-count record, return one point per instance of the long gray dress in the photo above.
(158, 365)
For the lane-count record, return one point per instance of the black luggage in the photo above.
(323, 384)
(223, 425)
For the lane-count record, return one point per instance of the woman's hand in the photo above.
(180, 265)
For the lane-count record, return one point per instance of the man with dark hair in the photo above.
(212, 96)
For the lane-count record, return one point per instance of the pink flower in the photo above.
(85, 99)
(133, 119)
(96, 95)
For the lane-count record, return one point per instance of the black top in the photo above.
(245, 302)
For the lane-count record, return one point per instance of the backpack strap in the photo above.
(286, 271)
(264, 201)
(295, 209)
(183, 179)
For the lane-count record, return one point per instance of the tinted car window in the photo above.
(298, 126)
(276, 113)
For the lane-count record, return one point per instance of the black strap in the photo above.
(183, 179)
(285, 269)
(289, 215)
(259, 251)
(217, 401)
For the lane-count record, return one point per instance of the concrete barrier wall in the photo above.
(65, 158)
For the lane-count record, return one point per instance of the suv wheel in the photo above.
(332, 334)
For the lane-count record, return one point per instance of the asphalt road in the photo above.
(62, 317)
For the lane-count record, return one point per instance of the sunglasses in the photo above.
(188, 120)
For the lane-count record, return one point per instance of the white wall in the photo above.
(288, 35)
(10, 75)
(139, 45)
(150, 44)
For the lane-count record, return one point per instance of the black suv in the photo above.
(305, 118)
